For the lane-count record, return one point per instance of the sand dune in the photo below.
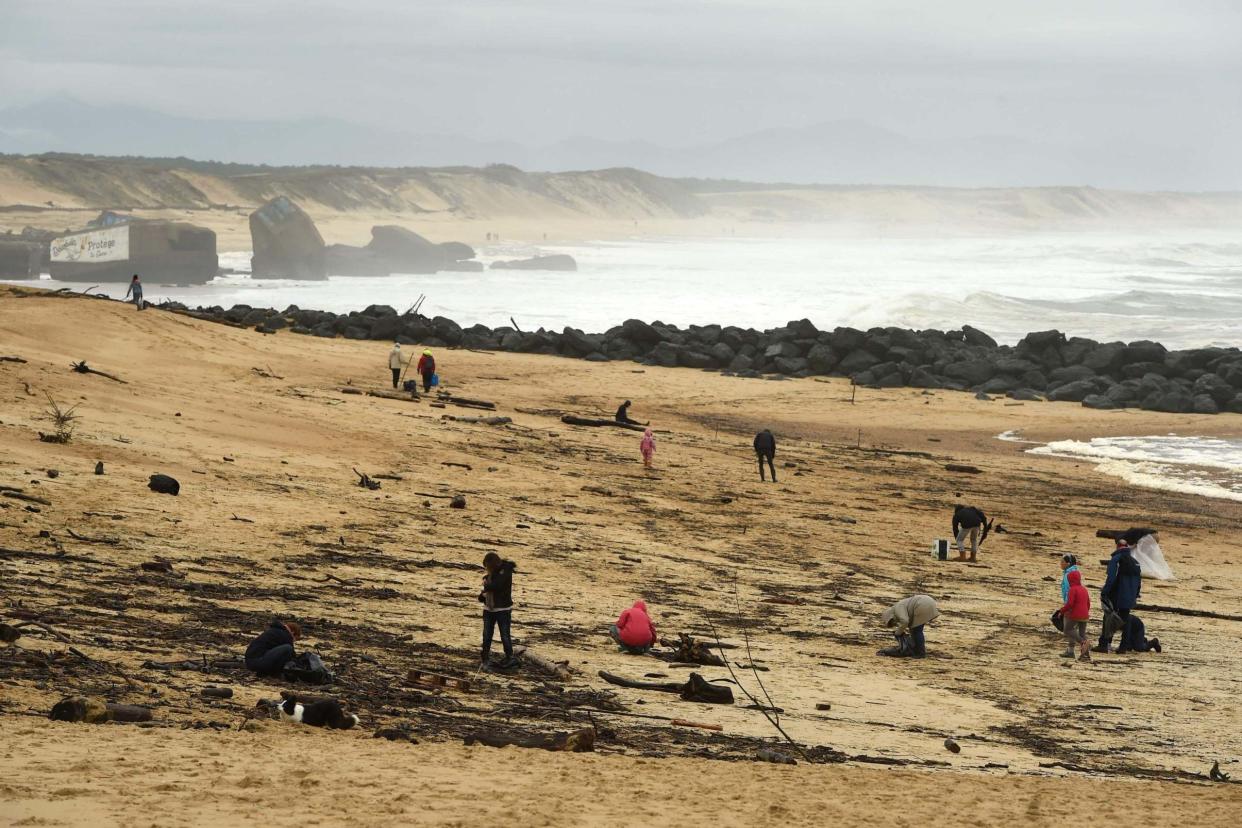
(269, 509)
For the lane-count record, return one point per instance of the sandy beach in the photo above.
(270, 522)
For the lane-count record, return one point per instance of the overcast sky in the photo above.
(669, 71)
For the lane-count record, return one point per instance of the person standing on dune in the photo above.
(647, 447)
(395, 363)
(135, 288)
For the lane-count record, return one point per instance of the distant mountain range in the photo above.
(843, 152)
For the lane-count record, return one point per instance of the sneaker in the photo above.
(487, 667)
(1098, 649)
(1085, 657)
(1067, 654)
(1155, 645)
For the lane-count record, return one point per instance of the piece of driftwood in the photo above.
(89, 539)
(1193, 613)
(1114, 534)
(493, 421)
(366, 482)
(9, 633)
(83, 368)
(700, 725)
(94, 710)
(696, 688)
(466, 402)
(961, 469)
(688, 650)
(571, 419)
(577, 741)
(560, 669)
(27, 498)
(352, 390)
(451, 464)
(59, 636)
(12, 359)
(775, 757)
(216, 692)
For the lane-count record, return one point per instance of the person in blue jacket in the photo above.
(1120, 592)
(1069, 564)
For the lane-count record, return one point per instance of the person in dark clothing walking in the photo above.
(765, 449)
(426, 369)
(1120, 593)
(968, 522)
(273, 648)
(497, 599)
(623, 414)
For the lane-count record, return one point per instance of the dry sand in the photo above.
(846, 531)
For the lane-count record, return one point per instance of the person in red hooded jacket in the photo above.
(634, 630)
(1076, 611)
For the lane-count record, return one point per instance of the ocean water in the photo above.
(1183, 290)
(1208, 466)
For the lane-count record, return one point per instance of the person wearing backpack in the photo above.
(427, 369)
(1120, 593)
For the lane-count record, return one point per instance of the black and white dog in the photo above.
(322, 713)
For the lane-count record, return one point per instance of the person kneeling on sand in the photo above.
(273, 648)
(907, 618)
(1074, 615)
(497, 598)
(634, 631)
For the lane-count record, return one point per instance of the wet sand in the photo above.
(801, 568)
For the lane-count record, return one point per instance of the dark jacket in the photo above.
(268, 640)
(623, 413)
(967, 517)
(497, 591)
(765, 444)
(1124, 581)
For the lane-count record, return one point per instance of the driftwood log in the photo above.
(560, 669)
(83, 368)
(960, 469)
(1192, 613)
(571, 419)
(578, 741)
(493, 421)
(94, 710)
(12, 359)
(466, 402)
(696, 688)
(28, 498)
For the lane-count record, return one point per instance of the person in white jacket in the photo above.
(906, 619)
(396, 361)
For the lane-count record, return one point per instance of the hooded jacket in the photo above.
(1124, 581)
(967, 517)
(765, 444)
(1065, 583)
(914, 611)
(426, 364)
(274, 636)
(394, 359)
(635, 628)
(647, 445)
(497, 594)
(1078, 605)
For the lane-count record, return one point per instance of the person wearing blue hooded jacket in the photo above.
(1120, 592)
(1069, 564)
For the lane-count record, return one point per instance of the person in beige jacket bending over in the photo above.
(906, 618)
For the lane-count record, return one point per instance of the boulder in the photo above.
(1099, 401)
(559, 261)
(786, 349)
(971, 371)
(640, 333)
(447, 330)
(859, 360)
(1041, 341)
(1144, 350)
(286, 243)
(1106, 359)
(327, 330)
(1230, 372)
(1215, 387)
(1076, 391)
(821, 358)
(457, 252)
(803, 329)
(1136, 370)
(1026, 395)
(1076, 349)
(346, 260)
(1175, 401)
(1001, 385)
(1205, 404)
(722, 353)
(847, 340)
(922, 378)
(694, 359)
(576, 343)
(666, 354)
(354, 332)
(386, 327)
(1070, 373)
(740, 364)
(404, 251)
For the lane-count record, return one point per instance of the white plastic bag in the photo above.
(1151, 559)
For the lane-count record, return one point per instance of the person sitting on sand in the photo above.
(497, 599)
(273, 649)
(634, 631)
(623, 414)
(396, 361)
(907, 618)
(967, 522)
(1075, 612)
(426, 369)
(647, 447)
(765, 449)
(135, 288)
(1120, 593)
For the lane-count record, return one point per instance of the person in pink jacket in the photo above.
(634, 630)
(647, 447)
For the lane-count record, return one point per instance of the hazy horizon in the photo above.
(1130, 95)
